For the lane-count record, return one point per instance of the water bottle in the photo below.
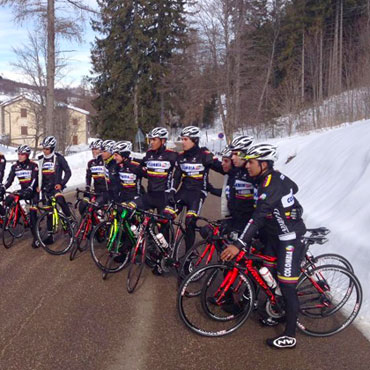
(162, 240)
(134, 230)
(270, 281)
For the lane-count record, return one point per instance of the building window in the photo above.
(75, 140)
(24, 130)
(23, 112)
(75, 121)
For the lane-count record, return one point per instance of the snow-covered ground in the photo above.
(332, 169)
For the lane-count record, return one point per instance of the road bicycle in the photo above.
(54, 230)
(330, 297)
(149, 249)
(93, 215)
(111, 240)
(15, 222)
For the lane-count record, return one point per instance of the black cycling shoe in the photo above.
(282, 342)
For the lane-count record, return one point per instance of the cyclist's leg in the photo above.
(194, 205)
(63, 204)
(33, 218)
(289, 254)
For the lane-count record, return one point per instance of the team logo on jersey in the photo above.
(158, 165)
(243, 187)
(23, 173)
(97, 169)
(127, 177)
(188, 167)
(262, 196)
(48, 166)
(288, 200)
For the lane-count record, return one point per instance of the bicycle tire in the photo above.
(193, 260)
(101, 255)
(78, 240)
(57, 241)
(11, 232)
(194, 311)
(329, 259)
(137, 262)
(328, 313)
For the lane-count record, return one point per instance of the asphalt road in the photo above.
(57, 314)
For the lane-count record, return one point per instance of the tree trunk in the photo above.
(302, 69)
(50, 128)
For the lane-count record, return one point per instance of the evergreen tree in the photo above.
(131, 59)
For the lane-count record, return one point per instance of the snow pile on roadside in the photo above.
(332, 170)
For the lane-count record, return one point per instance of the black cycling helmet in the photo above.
(96, 144)
(159, 132)
(190, 131)
(107, 146)
(23, 149)
(50, 142)
(123, 148)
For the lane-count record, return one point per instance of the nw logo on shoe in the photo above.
(285, 342)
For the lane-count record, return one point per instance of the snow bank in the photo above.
(332, 170)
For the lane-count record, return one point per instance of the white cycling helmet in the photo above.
(262, 152)
(107, 146)
(190, 131)
(226, 152)
(96, 144)
(23, 149)
(159, 132)
(123, 148)
(50, 142)
(241, 143)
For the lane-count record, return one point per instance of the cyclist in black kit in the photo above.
(128, 172)
(240, 185)
(54, 174)
(27, 173)
(2, 171)
(157, 166)
(192, 168)
(274, 202)
(110, 170)
(95, 175)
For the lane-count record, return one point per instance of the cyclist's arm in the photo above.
(268, 197)
(177, 173)
(11, 177)
(67, 171)
(2, 168)
(88, 175)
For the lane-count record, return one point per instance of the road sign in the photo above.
(221, 135)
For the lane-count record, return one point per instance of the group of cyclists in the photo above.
(255, 198)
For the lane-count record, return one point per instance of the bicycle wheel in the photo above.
(56, 239)
(199, 255)
(137, 262)
(104, 253)
(81, 237)
(13, 228)
(329, 259)
(330, 298)
(218, 310)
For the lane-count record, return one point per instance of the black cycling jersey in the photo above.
(27, 174)
(2, 167)
(274, 201)
(55, 170)
(95, 172)
(130, 180)
(158, 166)
(112, 177)
(192, 168)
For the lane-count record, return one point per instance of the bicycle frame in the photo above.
(16, 212)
